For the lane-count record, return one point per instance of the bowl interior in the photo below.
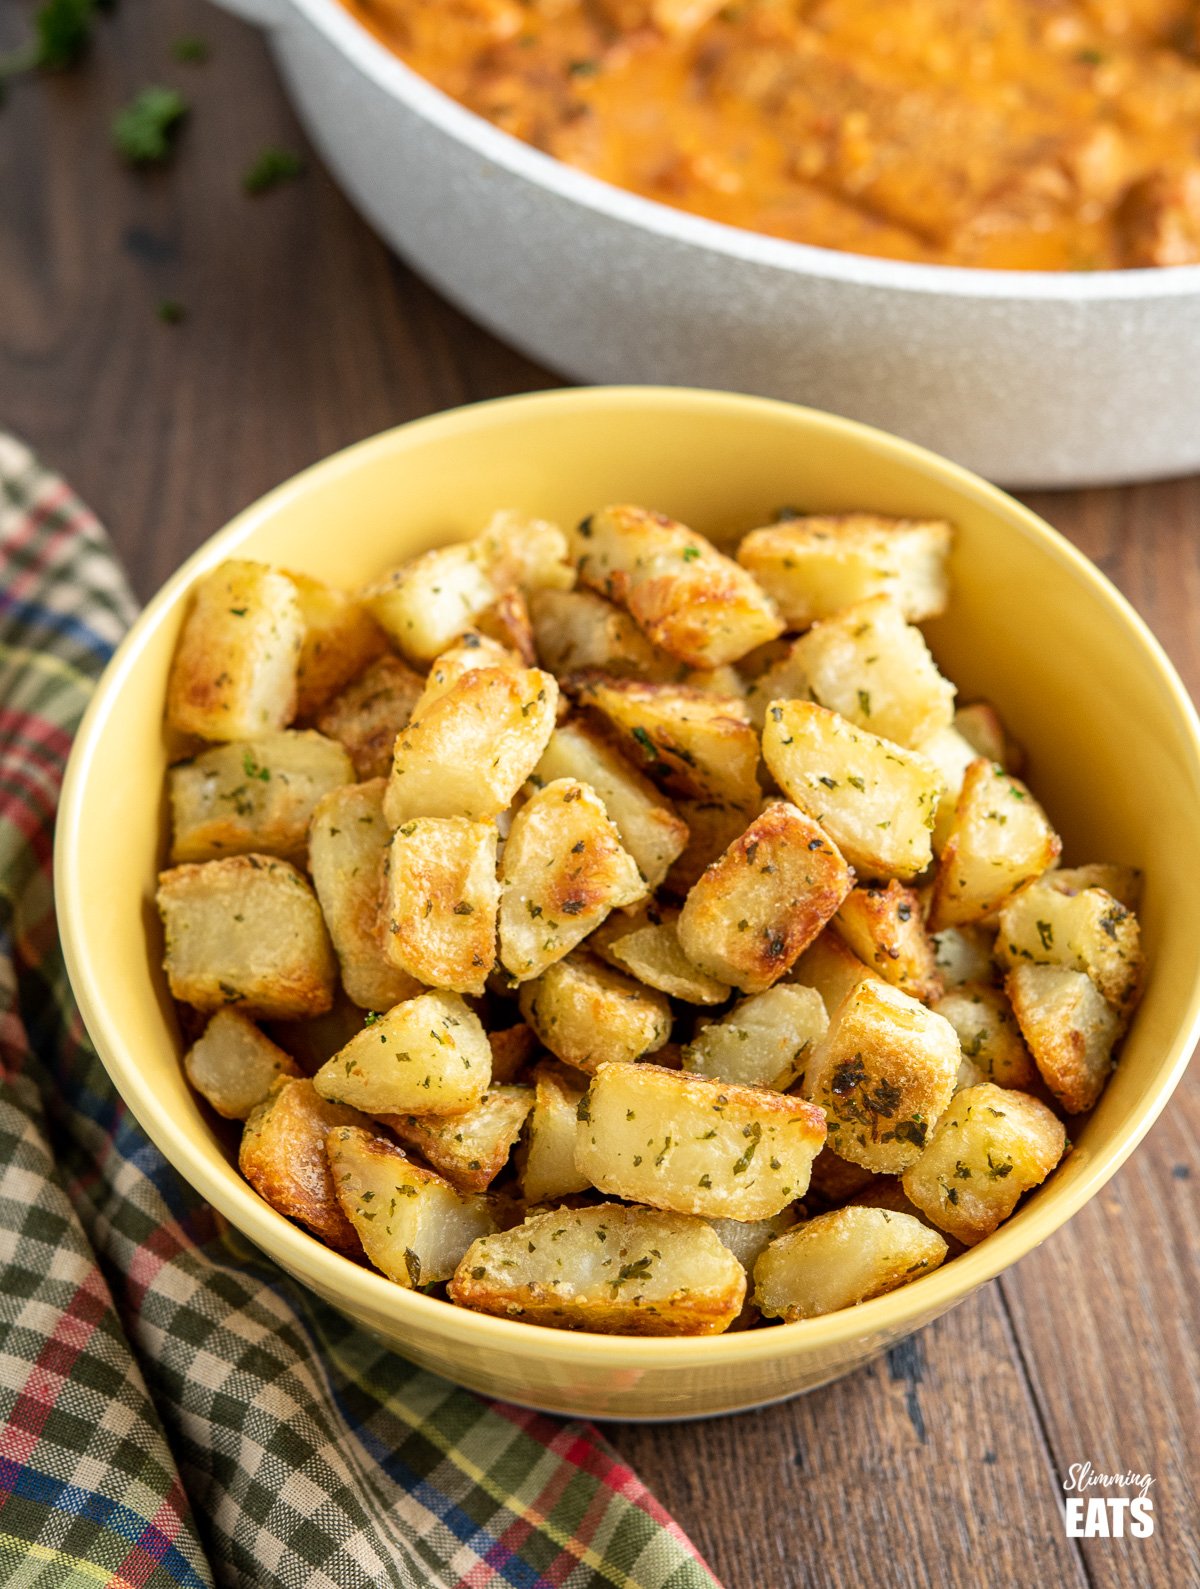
(1111, 738)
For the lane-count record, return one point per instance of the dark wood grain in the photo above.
(939, 1465)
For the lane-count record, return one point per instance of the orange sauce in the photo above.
(1011, 134)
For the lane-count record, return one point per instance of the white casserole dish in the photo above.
(1031, 378)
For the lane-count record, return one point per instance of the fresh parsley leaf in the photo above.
(171, 311)
(144, 131)
(191, 51)
(63, 31)
(271, 168)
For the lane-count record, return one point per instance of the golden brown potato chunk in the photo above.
(646, 944)
(253, 795)
(512, 1049)
(234, 670)
(340, 639)
(835, 1181)
(414, 1226)
(587, 1014)
(696, 1146)
(234, 1066)
(876, 801)
(440, 902)
(507, 621)
(614, 1270)
(547, 1160)
(691, 743)
(981, 726)
(951, 755)
(246, 931)
(283, 1157)
(686, 596)
(1000, 840)
(831, 968)
(814, 565)
(991, 1042)
(564, 868)
(368, 714)
(1124, 883)
(764, 1041)
(712, 826)
(989, 1148)
(348, 846)
(1070, 1028)
(785, 679)
(883, 1074)
(748, 1239)
(468, 751)
(577, 629)
(886, 930)
(1087, 930)
(472, 1148)
(429, 1055)
(964, 954)
(840, 1259)
(764, 901)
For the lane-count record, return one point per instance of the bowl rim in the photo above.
(522, 160)
(304, 1255)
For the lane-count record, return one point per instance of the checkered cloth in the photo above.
(174, 1410)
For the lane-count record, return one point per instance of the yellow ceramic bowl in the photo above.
(1114, 749)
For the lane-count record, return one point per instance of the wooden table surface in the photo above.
(941, 1464)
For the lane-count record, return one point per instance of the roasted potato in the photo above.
(440, 901)
(470, 652)
(547, 1157)
(340, 639)
(999, 841)
(815, 565)
(835, 1180)
(831, 968)
(951, 755)
(507, 621)
(764, 1041)
(368, 714)
(980, 725)
(233, 674)
(1070, 1029)
(688, 742)
(429, 1055)
(253, 795)
(347, 849)
(564, 869)
(610, 1269)
(748, 1239)
(877, 802)
(468, 751)
(246, 931)
(647, 946)
(1124, 883)
(785, 679)
(1084, 931)
(688, 598)
(764, 901)
(413, 1225)
(991, 1146)
(234, 1065)
(884, 1072)
(587, 1014)
(512, 1049)
(577, 629)
(840, 1259)
(991, 1042)
(472, 1148)
(963, 954)
(874, 669)
(885, 928)
(693, 1145)
(282, 1155)
(712, 826)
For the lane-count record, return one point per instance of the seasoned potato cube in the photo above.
(876, 671)
(470, 652)
(1086, 931)
(1124, 883)
(577, 629)
(831, 968)
(283, 1156)
(507, 621)
(748, 1239)
(368, 714)
(951, 755)
(765, 900)
(1070, 1029)
(472, 1148)
(991, 1042)
(234, 1066)
(587, 1014)
(512, 1049)
(614, 1270)
(246, 931)
(414, 1226)
(963, 954)
(650, 829)
(440, 902)
(817, 564)
(253, 795)
(840, 1259)
(340, 639)
(648, 948)
(348, 845)
(886, 930)
(234, 669)
(876, 801)
(429, 1055)
(469, 751)
(990, 1147)
(530, 554)
(563, 870)
(690, 743)
(786, 679)
(696, 1146)
(980, 725)
(712, 825)
(883, 1074)
(685, 595)
(547, 1160)
(1000, 840)
(835, 1181)
(764, 1041)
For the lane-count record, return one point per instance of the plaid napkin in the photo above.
(174, 1410)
